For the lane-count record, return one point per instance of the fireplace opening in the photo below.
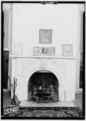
(43, 86)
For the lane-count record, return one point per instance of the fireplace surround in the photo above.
(59, 67)
(60, 55)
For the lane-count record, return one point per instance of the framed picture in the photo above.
(37, 51)
(49, 51)
(45, 36)
(67, 50)
(18, 49)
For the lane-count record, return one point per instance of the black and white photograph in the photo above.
(43, 59)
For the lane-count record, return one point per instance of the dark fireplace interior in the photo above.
(43, 87)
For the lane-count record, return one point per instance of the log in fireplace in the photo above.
(43, 87)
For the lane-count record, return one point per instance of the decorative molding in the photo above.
(7, 6)
(49, 2)
(41, 57)
(43, 63)
(6, 49)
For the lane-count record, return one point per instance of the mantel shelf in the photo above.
(41, 57)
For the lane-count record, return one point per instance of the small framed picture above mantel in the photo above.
(67, 50)
(44, 51)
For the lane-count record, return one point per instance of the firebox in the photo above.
(43, 87)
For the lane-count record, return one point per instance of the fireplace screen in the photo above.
(43, 87)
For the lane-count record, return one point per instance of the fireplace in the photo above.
(45, 46)
(36, 78)
(43, 86)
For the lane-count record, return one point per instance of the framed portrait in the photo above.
(45, 36)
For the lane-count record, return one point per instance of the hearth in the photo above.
(43, 87)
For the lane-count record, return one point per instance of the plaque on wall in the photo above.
(67, 50)
(49, 51)
(45, 36)
(18, 49)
